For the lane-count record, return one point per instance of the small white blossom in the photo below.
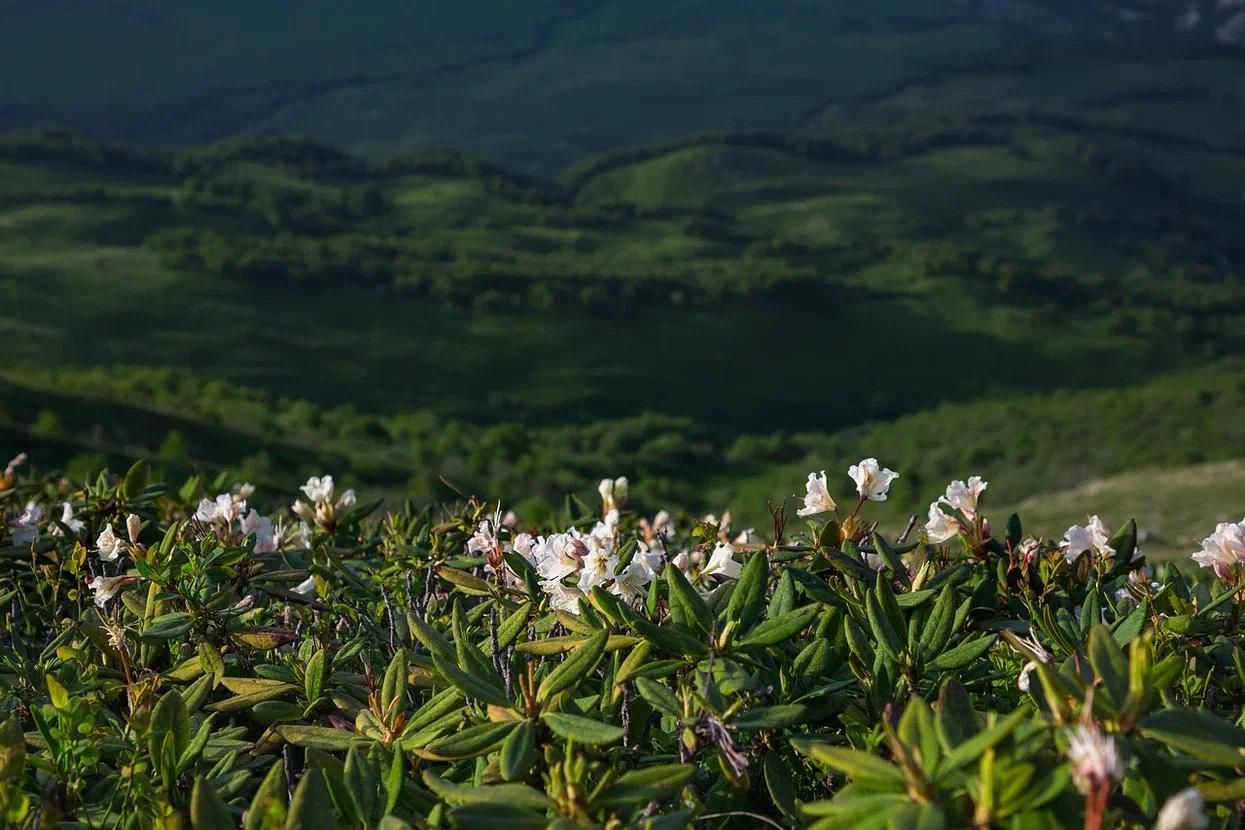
(483, 541)
(817, 497)
(304, 511)
(1094, 757)
(964, 496)
(1224, 549)
(106, 587)
(318, 488)
(1183, 811)
(1092, 538)
(25, 528)
(307, 587)
(872, 481)
(940, 526)
(68, 519)
(722, 563)
(110, 545)
(246, 490)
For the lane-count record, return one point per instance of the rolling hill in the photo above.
(538, 84)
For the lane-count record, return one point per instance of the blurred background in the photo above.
(507, 249)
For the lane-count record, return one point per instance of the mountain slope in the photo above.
(537, 84)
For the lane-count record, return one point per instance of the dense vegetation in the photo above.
(174, 657)
(1039, 444)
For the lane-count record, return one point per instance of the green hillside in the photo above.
(792, 264)
(537, 84)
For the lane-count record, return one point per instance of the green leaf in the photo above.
(971, 749)
(687, 608)
(1131, 626)
(207, 810)
(644, 785)
(581, 729)
(168, 626)
(938, 629)
(518, 752)
(362, 782)
(1109, 664)
(780, 716)
(748, 600)
(577, 665)
(393, 688)
(268, 807)
(470, 742)
(780, 781)
(783, 600)
(962, 655)
(659, 696)
(669, 640)
(498, 817)
(314, 674)
(318, 737)
(862, 767)
(136, 480)
(501, 795)
(473, 686)
(311, 808)
(169, 719)
(884, 635)
(782, 628)
(1199, 733)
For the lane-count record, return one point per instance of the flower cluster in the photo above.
(323, 509)
(873, 483)
(955, 512)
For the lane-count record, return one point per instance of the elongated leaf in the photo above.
(582, 730)
(577, 665)
(659, 696)
(780, 716)
(311, 808)
(687, 607)
(782, 628)
(1199, 733)
(268, 807)
(862, 767)
(962, 655)
(748, 600)
(318, 737)
(514, 795)
(207, 810)
(518, 752)
(471, 685)
(644, 785)
(473, 741)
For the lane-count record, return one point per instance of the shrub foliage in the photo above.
(175, 658)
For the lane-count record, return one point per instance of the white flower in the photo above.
(722, 563)
(872, 481)
(598, 567)
(509, 521)
(348, 499)
(106, 587)
(307, 587)
(613, 493)
(1028, 550)
(524, 544)
(284, 535)
(109, 544)
(1094, 757)
(816, 498)
(483, 541)
(746, 537)
(1043, 656)
(940, 526)
(246, 490)
(261, 526)
(964, 497)
(562, 597)
(318, 488)
(304, 511)
(68, 520)
(558, 556)
(25, 527)
(1223, 549)
(1183, 811)
(635, 578)
(1092, 538)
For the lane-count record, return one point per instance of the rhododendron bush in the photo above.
(202, 654)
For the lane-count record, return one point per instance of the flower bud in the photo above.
(133, 526)
(304, 511)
